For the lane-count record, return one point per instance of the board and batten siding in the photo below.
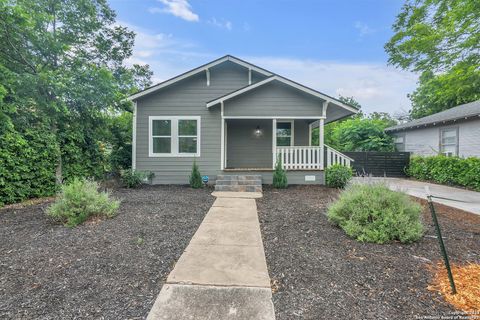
(426, 141)
(274, 99)
(188, 98)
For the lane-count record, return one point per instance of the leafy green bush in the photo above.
(195, 178)
(337, 176)
(79, 200)
(447, 170)
(28, 158)
(133, 179)
(279, 176)
(374, 213)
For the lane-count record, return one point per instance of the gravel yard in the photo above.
(320, 273)
(111, 269)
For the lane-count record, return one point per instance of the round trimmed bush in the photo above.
(337, 176)
(374, 213)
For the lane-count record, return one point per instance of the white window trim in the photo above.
(174, 136)
(442, 145)
(292, 126)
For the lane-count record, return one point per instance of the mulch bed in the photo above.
(104, 269)
(320, 273)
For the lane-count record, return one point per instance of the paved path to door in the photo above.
(222, 274)
(469, 200)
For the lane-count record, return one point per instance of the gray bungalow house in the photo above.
(233, 117)
(453, 132)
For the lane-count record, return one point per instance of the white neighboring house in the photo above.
(453, 132)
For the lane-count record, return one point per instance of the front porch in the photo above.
(257, 144)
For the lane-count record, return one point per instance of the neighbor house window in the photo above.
(174, 136)
(449, 141)
(285, 133)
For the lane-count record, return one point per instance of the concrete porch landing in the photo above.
(222, 273)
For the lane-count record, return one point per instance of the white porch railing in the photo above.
(299, 157)
(303, 157)
(335, 157)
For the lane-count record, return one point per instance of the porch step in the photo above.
(239, 177)
(239, 183)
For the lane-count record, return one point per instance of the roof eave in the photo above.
(285, 81)
(431, 124)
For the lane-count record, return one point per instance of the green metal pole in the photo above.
(442, 245)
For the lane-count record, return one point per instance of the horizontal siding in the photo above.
(469, 138)
(244, 148)
(301, 133)
(422, 142)
(188, 98)
(274, 99)
(425, 141)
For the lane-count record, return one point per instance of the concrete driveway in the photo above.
(468, 200)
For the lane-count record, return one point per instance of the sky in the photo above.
(333, 46)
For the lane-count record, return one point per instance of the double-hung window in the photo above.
(285, 133)
(174, 136)
(449, 141)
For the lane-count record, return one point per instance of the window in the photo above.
(449, 141)
(174, 136)
(285, 133)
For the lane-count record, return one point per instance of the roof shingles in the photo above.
(463, 111)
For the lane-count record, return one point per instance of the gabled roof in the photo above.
(286, 81)
(197, 70)
(464, 111)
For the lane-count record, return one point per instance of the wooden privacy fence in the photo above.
(380, 164)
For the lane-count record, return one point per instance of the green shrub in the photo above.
(463, 172)
(195, 178)
(133, 179)
(337, 176)
(28, 160)
(79, 200)
(374, 213)
(279, 176)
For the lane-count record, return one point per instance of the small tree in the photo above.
(279, 176)
(195, 178)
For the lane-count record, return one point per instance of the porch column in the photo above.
(321, 134)
(222, 140)
(274, 142)
(321, 143)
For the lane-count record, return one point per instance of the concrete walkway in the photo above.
(471, 199)
(222, 274)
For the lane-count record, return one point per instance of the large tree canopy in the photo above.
(435, 35)
(440, 39)
(63, 76)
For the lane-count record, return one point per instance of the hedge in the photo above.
(457, 171)
(27, 162)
